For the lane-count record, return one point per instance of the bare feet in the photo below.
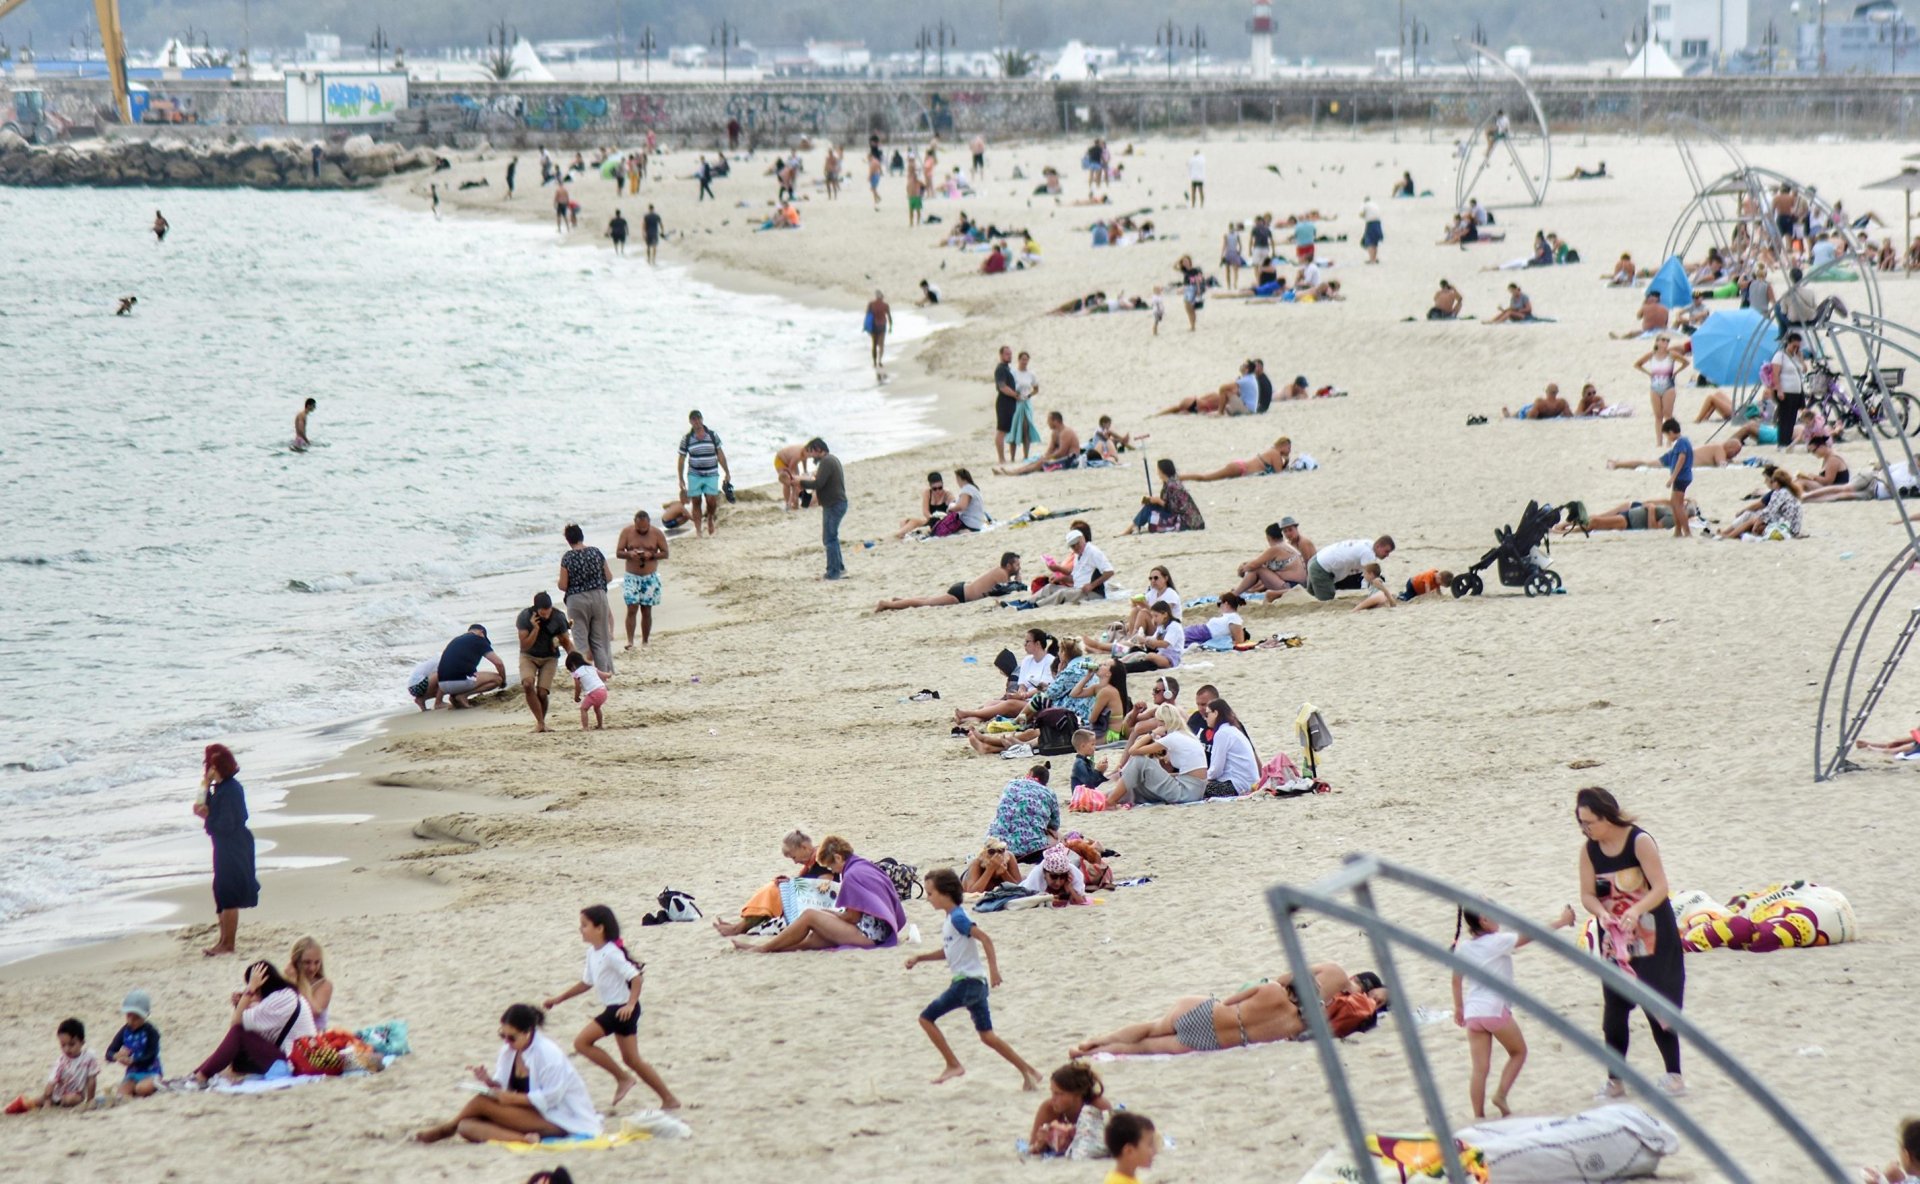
(1029, 1080)
(540, 729)
(619, 1094)
(1500, 1103)
(729, 929)
(949, 1073)
(740, 943)
(216, 951)
(669, 1102)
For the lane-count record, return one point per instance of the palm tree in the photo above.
(1015, 63)
(500, 66)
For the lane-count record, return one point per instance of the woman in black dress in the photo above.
(1623, 885)
(223, 805)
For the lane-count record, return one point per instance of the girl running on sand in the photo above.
(615, 978)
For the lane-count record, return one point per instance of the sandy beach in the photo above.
(1683, 675)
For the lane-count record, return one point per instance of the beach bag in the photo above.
(1279, 771)
(948, 525)
(1057, 726)
(866, 326)
(675, 905)
(905, 877)
(1221, 789)
(389, 1039)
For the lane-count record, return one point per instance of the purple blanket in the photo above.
(864, 887)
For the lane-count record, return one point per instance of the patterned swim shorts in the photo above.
(644, 590)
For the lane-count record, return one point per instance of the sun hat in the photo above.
(1056, 860)
(1287, 521)
(137, 1003)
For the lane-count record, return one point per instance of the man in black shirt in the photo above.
(617, 231)
(650, 227)
(1265, 384)
(1005, 399)
(543, 631)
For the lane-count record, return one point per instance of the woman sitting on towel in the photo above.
(1110, 702)
(1261, 1014)
(765, 904)
(994, 866)
(1273, 570)
(1225, 624)
(269, 1014)
(533, 1093)
(1167, 766)
(869, 916)
(933, 506)
(1028, 676)
(1059, 693)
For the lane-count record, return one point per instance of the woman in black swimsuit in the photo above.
(934, 504)
(1623, 884)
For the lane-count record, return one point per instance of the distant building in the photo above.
(1876, 39)
(839, 57)
(1697, 33)
(323, 47)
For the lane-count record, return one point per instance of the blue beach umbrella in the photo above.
(1732, 344)
(1670, 283)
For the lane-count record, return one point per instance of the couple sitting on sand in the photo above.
(1264, 1013)
(869, 916)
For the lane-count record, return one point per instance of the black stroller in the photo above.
(1520, 556)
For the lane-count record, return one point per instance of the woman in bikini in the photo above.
(1273, 460)
(1662, 367)
(1106, 689)
(934, 504)
(1273, 570)
(1261, 1014)
(1229, 399)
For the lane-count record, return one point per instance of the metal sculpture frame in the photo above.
(1687, 132)
(1876, 337)
(1357, 878)
(1467, 178)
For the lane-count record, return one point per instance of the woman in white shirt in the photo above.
(1234, 763)
(1159, 647)
(1226, 623)
(533, 1092)
(269, 1014)
(1167, 767)
(1031, 674)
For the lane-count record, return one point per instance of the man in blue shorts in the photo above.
(702, 468)
(643, 546)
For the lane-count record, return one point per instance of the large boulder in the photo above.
(12, 141)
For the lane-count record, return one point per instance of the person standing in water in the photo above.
(617, 231)
(434, 192)
(513, 166)
(650, 228)
(562, 206)
(126, 306)
(160, 227)
(300, 425)
(879, 322)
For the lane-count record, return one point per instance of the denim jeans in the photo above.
(830, 517)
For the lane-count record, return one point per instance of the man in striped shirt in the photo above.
(702, 467)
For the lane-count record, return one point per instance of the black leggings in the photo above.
(1786, 416)
(1613, 1023)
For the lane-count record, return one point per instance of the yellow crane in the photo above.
(115, 44)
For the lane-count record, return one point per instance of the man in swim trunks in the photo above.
(1063, 450)
(788, 464)
(650, 227)
(879, 324)
(643, 546)
(702, 468)
(1547, 406)
(1446, 303)
(990, 583)
(617, 231)
(160, 227)
(1654, 318)
(914, 190)
(1261, 1014)
(1290, 531)
(562, 206)
(300, 425)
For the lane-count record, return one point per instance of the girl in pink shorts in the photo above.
(1482, 1010)
(589, 689)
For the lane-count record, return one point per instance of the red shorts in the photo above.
(1303, 253)
(593, 698)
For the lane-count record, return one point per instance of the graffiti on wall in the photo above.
(643, 111)
(567, 113)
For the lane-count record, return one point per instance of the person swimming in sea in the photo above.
(126, 306)
(160, 227)
(300, 425)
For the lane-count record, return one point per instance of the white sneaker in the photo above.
(1611, 1091)
(1674, 1085)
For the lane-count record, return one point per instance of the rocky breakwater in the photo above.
(254, 164)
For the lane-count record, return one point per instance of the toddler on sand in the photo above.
(137, 1046)
(75, 1073)
(1483, 1010)
(962, 943)
(589, 689)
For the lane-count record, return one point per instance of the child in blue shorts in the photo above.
(962, 945)
(137, 1046)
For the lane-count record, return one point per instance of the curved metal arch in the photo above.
(1876, 336)
(1357, 876)
(1464, 184)
(1687, 130)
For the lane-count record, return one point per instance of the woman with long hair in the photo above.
(307, 971)
(1234, 766)
(269, 1014)
(533, 1092)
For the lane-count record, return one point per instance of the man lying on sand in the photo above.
(993, 582)
(1716, 455)
(1262, 1014)
(1625, 516)
(1238, 397)
(1547, 406)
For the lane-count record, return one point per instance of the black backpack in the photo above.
(1057, 726)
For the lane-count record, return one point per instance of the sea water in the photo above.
(174, 573)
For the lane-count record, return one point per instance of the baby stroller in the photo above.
(1521, 556)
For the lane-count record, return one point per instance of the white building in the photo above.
(1697, 33)
(323, 47)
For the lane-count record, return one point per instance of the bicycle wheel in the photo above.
(1895, 414)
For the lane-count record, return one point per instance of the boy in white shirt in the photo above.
(962, 944)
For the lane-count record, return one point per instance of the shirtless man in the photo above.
(562, 206)
(1230, 399)
(1063, 450)
(979, 588)
(1716, 455)
(1654, 318)
(1261, 1014)
(879, 324)
(126, 306)
(300, 425)
(1446, 303)
(788, 465)
(1547, 406)
(643, 546)
(1290, 531)
(160, 227)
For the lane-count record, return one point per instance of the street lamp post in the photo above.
(1169, 37)
(726, 36)
(619, 41)
(1198, 43)
(646, 45)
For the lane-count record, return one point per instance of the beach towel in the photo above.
(1023, 430)
(643, 1127)
(867, 889)
(797, 896)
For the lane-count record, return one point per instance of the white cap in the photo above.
(1074, 536)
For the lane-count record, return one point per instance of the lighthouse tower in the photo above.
(1261, 26)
